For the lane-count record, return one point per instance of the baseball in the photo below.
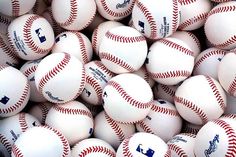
(223, 34)
(97, 76)
(190, 128)
(142, 72)
(12, 127)
(200, 99)
(158, 120)
(216, 138)
(207, 62)
(74, 43)
(128, 51)
(154, 20)
(31, 36)
(97, 20)
(60, 77)
(28, 69)
(44, 140)
(226, 73)
(111, 131)
(169, 61)
(115, 10)
(93, 147)
(182, 145)
(16, 7)
(193, 13)
(75, 15)
(72, 119)
(127, 101)
(4, 23)
(14, 93)
(143, 144)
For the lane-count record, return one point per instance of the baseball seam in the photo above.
(123, 39)
(232, 87)
(18, 103)
(188, 134)
(164, 110)
(83, 50)
(96, 149)
(103, 68)
(35, 9)
(3, 67)
(115, 127)
(6, 143)
(128, 98)
(82, 84)
(170, 74)
(186, 2)
(145, 127)
(16, 151)
(193, 36)
(30, 70)
(7, 50)
(57, 29)
(15, 7)
(95, 40)
(175, 17)
(231, 116)
(125, 147)
(193, 107)
(150, 19)
(167, 90)
(89, 22)
(44, 111)
(4, 20)
(187, 129)
(179, 151)
(22, 122)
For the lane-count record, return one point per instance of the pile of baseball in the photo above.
(117, 78)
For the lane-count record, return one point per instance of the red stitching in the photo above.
(145, 127)
(7, 144)
(232, 87)
(176, 46)
(30, 70)
(22, 122)
(231, 116)
(82, 47)
(179, 151)
(4, 20)
(16, 151)
(170, 74)
(57, 29)
(168, 153)
(98, 89)
(28, 36)
(188, 134)
(95, 40)
(3, 67)
(195, 39)
(164, 110)
(167, 90)
(175, 18)
(186, 2)
(207, 55)
(72, 111)
(149, 18)
(116, 60)
(44, 110)
(82, 84)
(126, 152)
(123, 39)
(231, 151)
(35, 9)
(15, 7)
(193, 107)
(129, 98)
(104, 68)
(59, 67)
(115, 14)
(89, 22)
(118, 131)
(188, 129)
(6, 49)
(216, 92)
(19, 103)
(97, 149)
(73, 14)
(193, 20)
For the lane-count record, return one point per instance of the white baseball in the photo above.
(221, 31)
(207, 62)
(216, 138)
(75, 15)
(169, 61)
(123, 49)
(190, 39)
(221, 1)
(142, 72)
(72, 119)
(28, 69)
(39, 7)
(127, 98)
(7, 55)
(111, 131)
(200, 99)
(12, 127)
(154, 20)
(60, 77)
(44, 140)
(74, 43)
(16, 7)
(94, 109)
(97, 76)
(14, 91)
(99, 33)
(158, 120)
(31, 36)
(98, 19)
(93, 147)
(226, 73)
(40, 111)
(182, 145)
(143, 144)
(4, 23)
(191, 128)
(115, 10)
(193, 13)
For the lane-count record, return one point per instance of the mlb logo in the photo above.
(4, 100)
(41, 37)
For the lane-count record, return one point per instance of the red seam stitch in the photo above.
(95, 40)
(44, 110)
(168, 153)
(4, 20)
(195, 39)
(170, 74)
(129, 98)
(15, 7)
(167, 90)
(230, 41)
(232, 116)
(11, 44)
(30, 70)
(103, 68)
(179, 151)
(3, 67)
(35, 9)
(118, 131)
(6, 49)
(116, 60)
(207, 55)
(72, 111)
(175, 17)
(55, 26)
(149, 18)
(193, 107)
(186, 2)
(89, 22)
(193, 20)
(123, 39)
(16, 151)
(82, 84)
(216, 93)
(164, 110)
(221, 10)
(187, 129)
(125, 147)
(22, 122)
(82, 47)
(232, 87)
(53, 72)
(7, 144)
(96, 149)
(145, 127)
(188, 134)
